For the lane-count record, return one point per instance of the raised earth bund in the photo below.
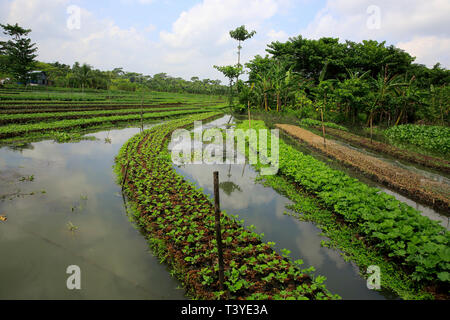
(418, 187)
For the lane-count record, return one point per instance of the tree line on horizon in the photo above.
(18, 60)
(364, 82)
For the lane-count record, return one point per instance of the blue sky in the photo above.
(187, 37)
(162, 14)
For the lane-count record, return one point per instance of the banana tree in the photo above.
(440, 100)
(408, 95)
(265, 85)
(281, 80)
(323, 88)
(384, 85)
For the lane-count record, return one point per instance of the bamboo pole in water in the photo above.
(218, 229)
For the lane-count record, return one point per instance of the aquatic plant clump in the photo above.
(179, 221)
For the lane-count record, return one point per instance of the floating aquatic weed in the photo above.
(72, 227)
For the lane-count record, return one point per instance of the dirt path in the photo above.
(414, 185)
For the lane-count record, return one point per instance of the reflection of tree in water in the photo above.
(229, 187)
(21, 146)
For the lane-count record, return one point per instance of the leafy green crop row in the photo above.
(316, 123)
(20, 129)
(179, 219)
(432, 138)
(400, 232)
(14, 118)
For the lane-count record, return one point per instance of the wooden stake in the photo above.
(218, 229)
(323, 129)
(126, 173)
(142, 115)
(249, 120)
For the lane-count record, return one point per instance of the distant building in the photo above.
(3, 81)
(38, 78)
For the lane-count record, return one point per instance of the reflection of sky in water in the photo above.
(36, 245)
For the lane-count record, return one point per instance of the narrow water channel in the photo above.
(73, 183)
(442, 218)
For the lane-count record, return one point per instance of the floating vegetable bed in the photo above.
(179, 221)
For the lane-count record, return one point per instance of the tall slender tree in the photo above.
(241, 34)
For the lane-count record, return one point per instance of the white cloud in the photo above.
(202, 34)
(198, 39)
(150, 28)
(214, 17)
(428, 49)
(410, 24)
(100, 43)
(277, 35)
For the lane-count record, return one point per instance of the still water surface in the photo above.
(36, 246)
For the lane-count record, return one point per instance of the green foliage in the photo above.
(241, 34)
(349, 82)
(232, 73)
(316, 123)
(432, 138)
(392, 227)
(19, 52)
